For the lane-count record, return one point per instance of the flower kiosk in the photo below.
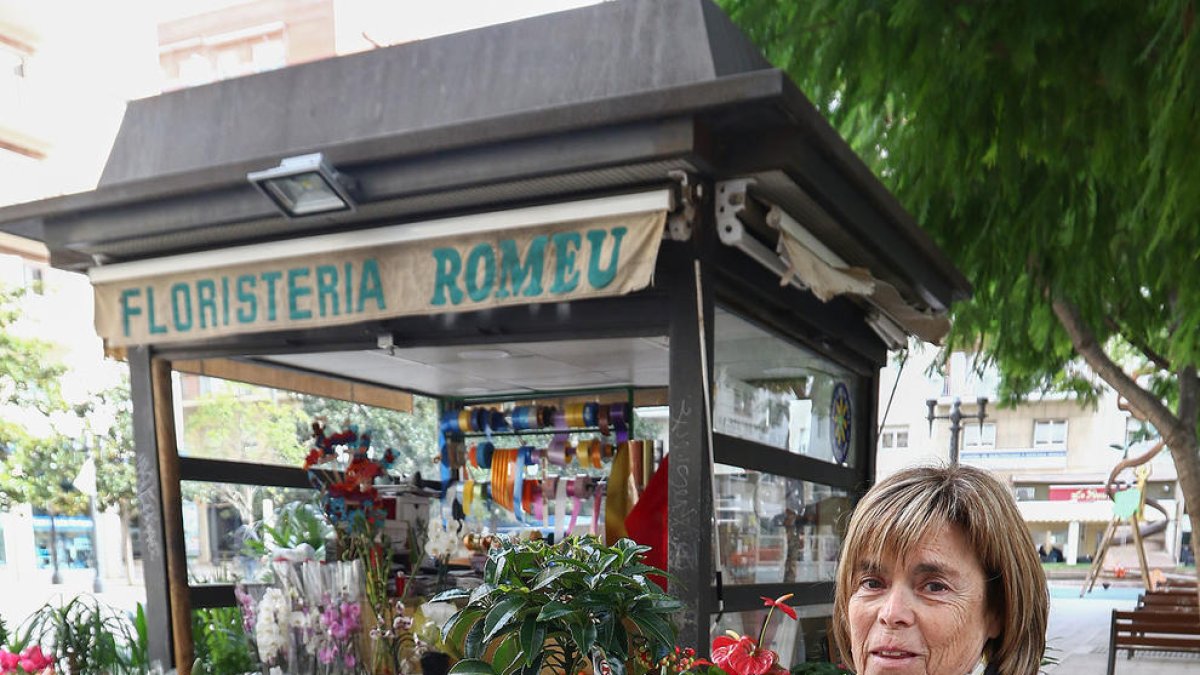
(520, 221)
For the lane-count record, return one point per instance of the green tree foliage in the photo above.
(410, 434)
(38, 472)
(1048, 148)
(244, 424)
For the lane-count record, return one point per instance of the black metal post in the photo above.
(149, 492)
(689, 520)
(955, 429)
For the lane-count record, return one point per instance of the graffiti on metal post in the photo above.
(147, 480)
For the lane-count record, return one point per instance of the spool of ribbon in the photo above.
(546, 416)
(449, 423)
(578, 489)
(472, 458)
(602, 419)
(496, 421)
(618, 416)
(596, 451)
(464, 421)
(560, 507)
(468, 497)
(483, 454)
(522, 457)
(591, 414)
(597, 509)
(574, 414)
(559, 451)
(480, 419)
(524, 418)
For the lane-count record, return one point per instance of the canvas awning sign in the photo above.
(559, 252)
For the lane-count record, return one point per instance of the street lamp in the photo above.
(956, 417)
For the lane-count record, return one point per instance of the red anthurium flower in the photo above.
(741, 656)
(780, 604)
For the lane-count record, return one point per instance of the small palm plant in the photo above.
(545, 607)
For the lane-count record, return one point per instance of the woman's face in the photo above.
(926, 614)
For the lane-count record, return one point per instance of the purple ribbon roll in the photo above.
(618, 415)
(497, 421)
(479, 419)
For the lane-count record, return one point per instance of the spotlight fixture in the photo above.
(304, 186)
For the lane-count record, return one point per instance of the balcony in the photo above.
(1015, 458)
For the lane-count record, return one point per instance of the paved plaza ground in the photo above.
(1079, 632)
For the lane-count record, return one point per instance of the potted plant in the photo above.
(556, 607)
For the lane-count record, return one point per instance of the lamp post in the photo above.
(85, 482)
(56, 577)
(956, 417)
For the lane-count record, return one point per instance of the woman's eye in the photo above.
(871, 584)
(936, 587)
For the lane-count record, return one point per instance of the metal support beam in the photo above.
(690, 529)
(149, 491)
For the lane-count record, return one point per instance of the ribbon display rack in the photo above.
(536, 480)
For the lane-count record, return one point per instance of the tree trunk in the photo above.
(1179, 431)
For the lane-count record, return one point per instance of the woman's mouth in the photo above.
(893, 653)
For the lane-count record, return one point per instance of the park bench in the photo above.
(1147, 630)
(1173, 601)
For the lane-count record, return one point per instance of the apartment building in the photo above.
(1054, 450)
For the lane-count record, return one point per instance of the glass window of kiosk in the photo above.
(777, 530)
(775, 393)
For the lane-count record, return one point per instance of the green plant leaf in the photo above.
(454, 633)
(502, 614)
(473, 644)
(509, 657)
(654, 628)
(549, 576)
(481, 591)
(553, 610)
(472, 667)
(533, 635)
(452, 594)
(584, 634)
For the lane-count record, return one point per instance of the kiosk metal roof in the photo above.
(610, 97)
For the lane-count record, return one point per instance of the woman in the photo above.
(939, 571)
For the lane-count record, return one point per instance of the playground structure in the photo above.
(1128, 507)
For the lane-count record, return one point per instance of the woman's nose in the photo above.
(897, 607)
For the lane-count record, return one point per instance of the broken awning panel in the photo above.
(311, 282)
(827, 281)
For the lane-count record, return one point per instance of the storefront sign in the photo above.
(1077, 493)
(582, 259)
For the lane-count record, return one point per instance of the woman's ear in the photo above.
(993, 626)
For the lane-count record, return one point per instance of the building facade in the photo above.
(1055, 451)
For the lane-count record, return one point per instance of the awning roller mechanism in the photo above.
(798, 257)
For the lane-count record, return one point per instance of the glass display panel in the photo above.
(217, 520)
(222, 419)
(772, 392)
(777, 530)
(806, 639)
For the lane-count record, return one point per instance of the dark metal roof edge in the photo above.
(661, 103)
(838, 150)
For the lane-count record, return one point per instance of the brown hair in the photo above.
(901, 510)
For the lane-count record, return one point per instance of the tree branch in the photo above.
(1156, 358)
(1085, 343)
(1189, 396)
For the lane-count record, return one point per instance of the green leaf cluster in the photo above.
(86, 637)
(296, 523)
(549, 607)
(222, 645)
(1047, 147)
